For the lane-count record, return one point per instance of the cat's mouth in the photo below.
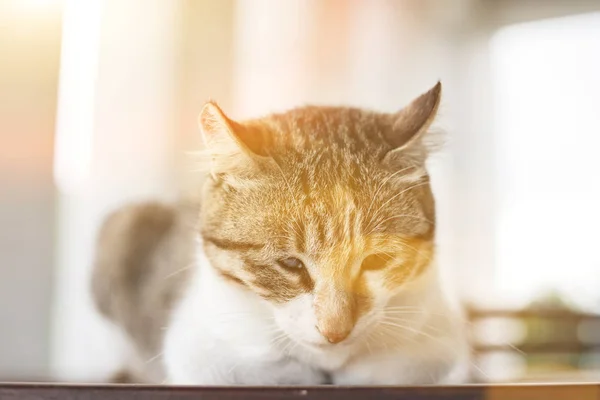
(324, 345)
(321, 344)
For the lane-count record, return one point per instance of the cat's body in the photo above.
(312, 261)
(143, 262)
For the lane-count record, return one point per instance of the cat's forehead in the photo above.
(330, 127)
(324, 117)
(338, 216)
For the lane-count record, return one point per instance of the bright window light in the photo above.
(547, 118)
(78, 70)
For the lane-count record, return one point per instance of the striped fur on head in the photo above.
(343, 190)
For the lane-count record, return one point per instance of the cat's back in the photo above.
(144, 252)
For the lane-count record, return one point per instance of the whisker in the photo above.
(437, 340)
(386, 180)
(279, 339)
(233, 367)
(398, 216)
(396, 336)
(177, 272)
(419, 307)
(398, 194)
(156, 357)
(398, 339)
(460, 319)
(426, 326)
(289, 347)
(402, 244)
(368, 338)
(407, 312)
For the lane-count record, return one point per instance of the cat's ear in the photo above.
(221, 134)
(410, 124)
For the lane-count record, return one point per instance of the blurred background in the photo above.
(98, 107)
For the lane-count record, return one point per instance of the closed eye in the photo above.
(290, 263)
(375, 262)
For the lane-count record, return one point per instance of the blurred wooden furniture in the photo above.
(555, 340)
(468, 392)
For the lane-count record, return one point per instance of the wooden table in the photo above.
(467, 392)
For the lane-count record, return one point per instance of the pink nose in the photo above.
(334, 335)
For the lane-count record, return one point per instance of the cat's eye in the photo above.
(290, 263)
(375, 262)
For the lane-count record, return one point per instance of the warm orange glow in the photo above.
(35, 5)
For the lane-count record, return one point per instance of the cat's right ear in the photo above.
(220, 134)
(410, 125)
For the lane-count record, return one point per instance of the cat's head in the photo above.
(326, 213)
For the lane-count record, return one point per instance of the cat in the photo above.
(309, 259)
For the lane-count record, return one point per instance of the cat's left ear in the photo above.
(232, 149)
(410, 124)
(221, 134)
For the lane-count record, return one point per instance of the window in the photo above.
(547, 137)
